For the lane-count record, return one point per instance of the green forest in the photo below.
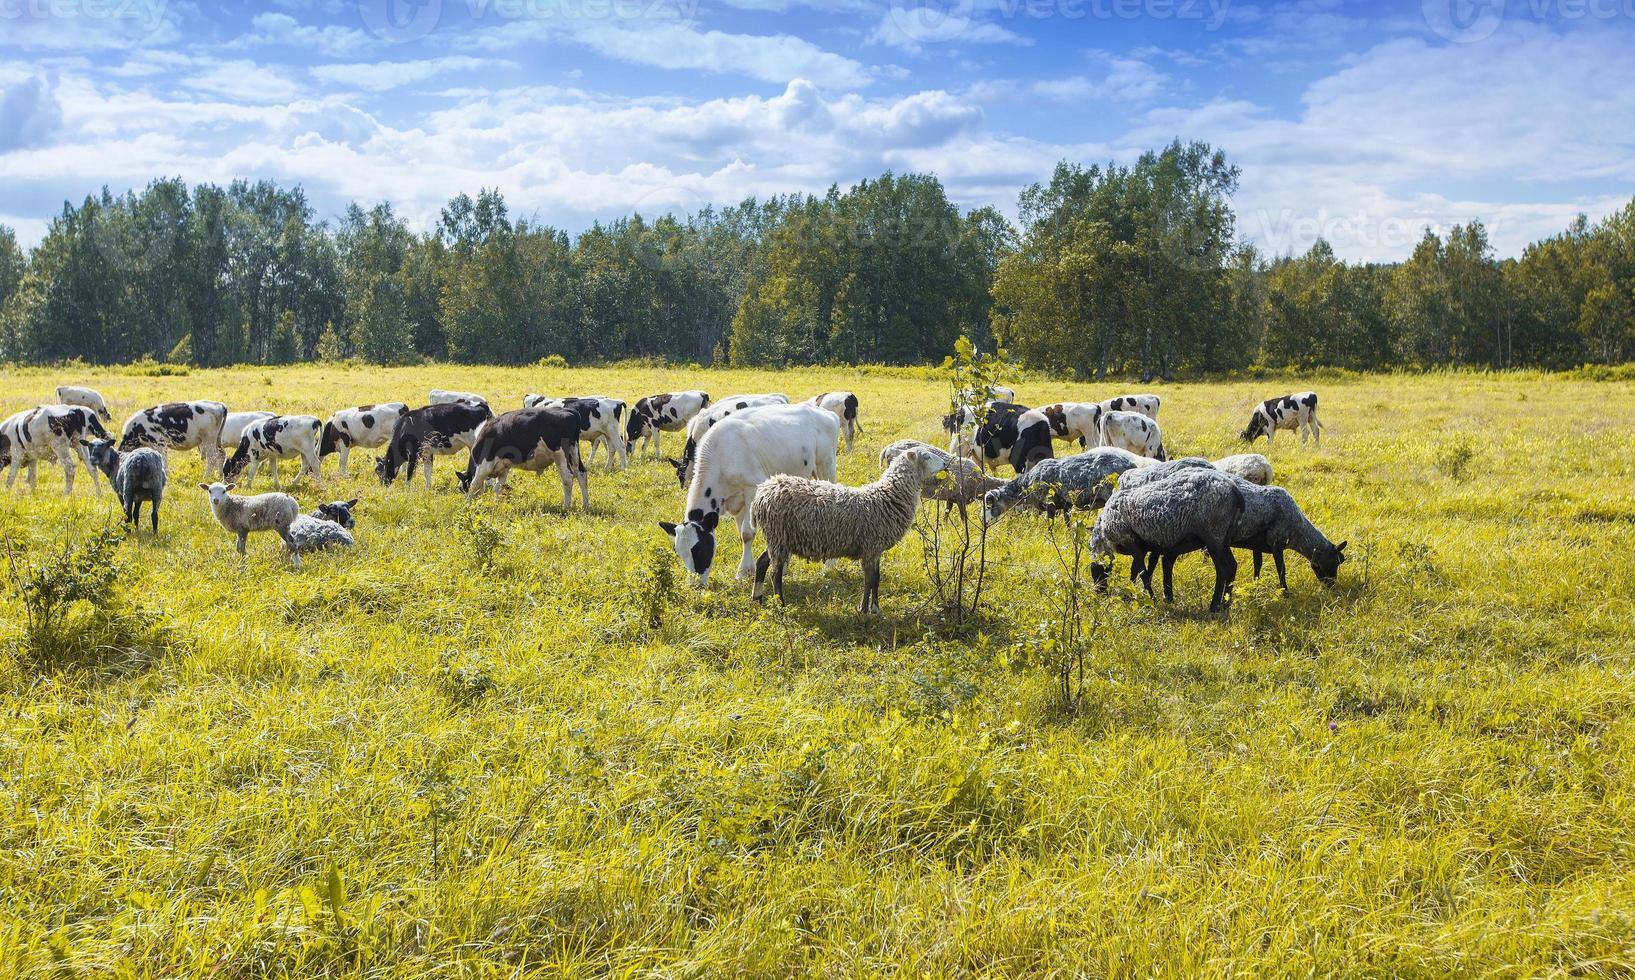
(1115, 270)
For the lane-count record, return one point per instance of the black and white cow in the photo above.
(424, 433)
(85, 398)
(179, 425)
(604, 418)
(662, 413)
(529, 439)
(232, 430)
(1140, 404)
(49, 432)
(1038, 430)
(843, 404)
(984, 435)
(442, 396)
(1133, 432)
(367, 427)
(270, 440)
(705, 420)
(1297, 411)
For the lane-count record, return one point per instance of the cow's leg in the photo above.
(66, 457)
(746, 534)
(564, 471)
(310, 462)
(31, 475)
(343, 451)
(426, 468)
(274, 464)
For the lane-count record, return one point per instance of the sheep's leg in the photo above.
(1226, 569)
(1259, 557)
(778, 568)
(153, 511)
(871, 586)
(243, 536)
(1277, 560)
(1099, 574)
(1169, 577)
(757, 591)
(289, 546)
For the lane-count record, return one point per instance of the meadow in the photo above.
(497, 739)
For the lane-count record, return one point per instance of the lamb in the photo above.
(1076, 482)
(960, 484)
(263, 512)
(1197, 507)
(823, 521)
(137, 476)
(327, 527)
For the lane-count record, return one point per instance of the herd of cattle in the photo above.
(757, 459)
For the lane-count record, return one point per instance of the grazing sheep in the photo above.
(1061, 484)
(822, 521)
(960, 484)
(326, 527)
(263, 512)
(1197, 507)
(1253, 467)
(137, 476)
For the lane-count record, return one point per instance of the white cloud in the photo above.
(29, 114)
(385, 75)
(244, 81)
(913, 28)
(284, 30)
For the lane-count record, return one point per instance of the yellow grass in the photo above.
(405, 761)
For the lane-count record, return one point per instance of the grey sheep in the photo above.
(1062, 483)
(821, 521)
(137, 476)
(328, 526)
(1198, 507)
(960, 484)
(263, 512)
(1272, 522)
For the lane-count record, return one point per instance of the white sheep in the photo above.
(263, 512)
(822, 521)
(1254, 467)
(960, 484)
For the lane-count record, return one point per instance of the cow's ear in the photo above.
(668, 528)
(711, 520)
(1340, 549)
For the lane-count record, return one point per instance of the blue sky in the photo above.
(1363, 123)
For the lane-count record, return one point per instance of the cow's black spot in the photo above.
(369, 421)
(696, 514)
(709, 492)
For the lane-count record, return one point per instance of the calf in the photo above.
(1140, 404)
(705, 420)
(1136, 433)
(1297, 411)
(49, 432)
(529, 439)
(232, 430)
(985, 434)
(843, 404)
(662, 413)
(179, 425)
(603, 417)
(440, 396)
(270, 440)
(367, 426)
(424, 433)
(84, 398)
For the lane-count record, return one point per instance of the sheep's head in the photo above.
(1327, 565)
(338, 512)
(103, 455)
(994, 505)
(217, 491)
(928, 465)
(694, 542)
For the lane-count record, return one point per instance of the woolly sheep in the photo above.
(1272, 522)
(820, 521)
(1253, 467)
(263, 512)
(1061, 484)
(960, 484)
(1198, 506)
(137, 476)
(326, 527)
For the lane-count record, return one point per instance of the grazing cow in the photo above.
(367, 427)
(232, 430)
(662, 413)
(1039, 428)
(604, 417)
(986, 434)
(440, 396)
(1136, 433)
(1140, 404)
(179, 425)
(270, 440)
(734, 458)
(705, 420)
(84, 398)
(844, 406)
(1297, 411)
(49, 432)
(424, 433)
(529, 439)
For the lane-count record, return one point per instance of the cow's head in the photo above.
(1327, 564)
(386, 467)
(331, 442)
(235, 463)
(683, 466)
(1256, 427)
(694, 542)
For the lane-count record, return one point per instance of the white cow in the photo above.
(49, 432)
(606, 418)
(84, 398)
(735, 457)
(1140, 404)
(232, 430)
(1133, 432)
(366, 426)
(270, 440)
(179, 425)
(844, 406)
(705, 420)
(1297, 411)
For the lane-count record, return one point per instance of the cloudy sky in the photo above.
(1360, 122)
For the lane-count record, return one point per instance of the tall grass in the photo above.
(495, 740)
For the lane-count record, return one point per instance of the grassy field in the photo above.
(465, 750)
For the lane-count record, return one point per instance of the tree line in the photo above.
(1114, 270)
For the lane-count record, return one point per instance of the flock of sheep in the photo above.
(758, 459)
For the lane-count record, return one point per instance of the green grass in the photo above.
(407, 761)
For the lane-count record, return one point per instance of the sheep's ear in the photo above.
(205, 487)
(231, 486)
(352, 503)
(710, 520)
(667, 528)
